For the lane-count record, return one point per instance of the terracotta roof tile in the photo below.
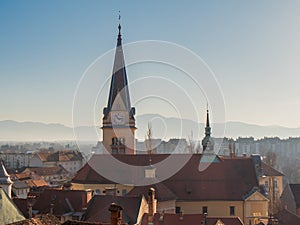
(270, 171)
(22, 176)
(229, 179)
(21, 203)
(44, 171)
(97, 210)
(69, 222)
(37, 183)
(41, 220)
(64, 201)
(286, 217)
(189, 219)
(162, 192)
(295, 188)
(225, 220)
(64, 155)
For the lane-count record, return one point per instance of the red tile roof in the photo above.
(270, 171)
(229, 179)
(162, 192)
(295, 188)
(21, 176)
(286, 217)
(97, 210)
(22, 205)
(37, 183)
(225, 220)
(69, 222)
(189, 219)
(174, 219)
(64, 201)
(65, 155)
(46, 171)
(41, 220)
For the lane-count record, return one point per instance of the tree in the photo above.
(270, 158)
(148, 139)
(191, 143)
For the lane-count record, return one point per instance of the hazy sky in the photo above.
(253, 47)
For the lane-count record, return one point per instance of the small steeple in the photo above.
(207, 142)
(207, 128)
(4, 176)
(5, 181)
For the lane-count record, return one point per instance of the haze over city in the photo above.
(149, 112)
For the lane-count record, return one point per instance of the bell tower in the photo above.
(118, 125)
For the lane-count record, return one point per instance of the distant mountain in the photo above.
(162, 127)
(183, 127)
(13, 131)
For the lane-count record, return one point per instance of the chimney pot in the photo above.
(151, 206)
(115, 214)
(161, 216)
(181, 215)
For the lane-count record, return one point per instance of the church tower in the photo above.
(118, 117)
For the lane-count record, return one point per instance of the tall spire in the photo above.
(119, 83)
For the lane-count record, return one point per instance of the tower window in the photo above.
(121, 151)
(177, 210)
(232, 210)
(204, 209)
(118, 141)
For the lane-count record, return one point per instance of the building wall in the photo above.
(101, 188)
(214, 208)
(71, 166)
(142, 211)
(255, 209)
(21, 192)
(35, 161)
(274, 186)
(166, 206)
(298, 211)
(16, 160)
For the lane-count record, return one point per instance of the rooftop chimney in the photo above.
(115, 214)
(151, 205)
(30, 202)
(232, 152)
(181, 215)
(29, 211)
(51, 208)
(161, 216)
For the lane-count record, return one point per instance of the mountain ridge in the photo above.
(163, 127)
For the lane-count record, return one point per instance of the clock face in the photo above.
(118, 118)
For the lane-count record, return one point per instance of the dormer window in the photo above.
(150, 172)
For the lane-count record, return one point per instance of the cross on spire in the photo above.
(119, 28)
